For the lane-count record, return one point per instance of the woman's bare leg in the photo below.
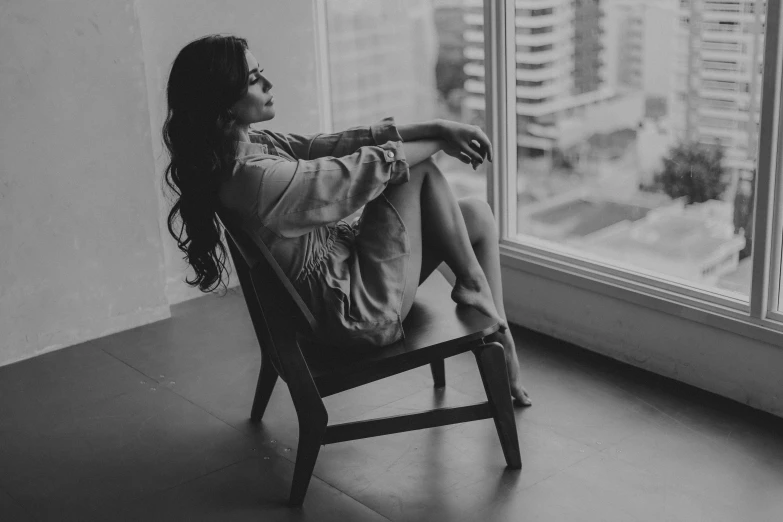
(477, 220)
(428, 207)
(484, 237)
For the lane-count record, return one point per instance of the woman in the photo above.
(293, 192)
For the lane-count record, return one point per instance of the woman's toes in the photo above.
(520, 396)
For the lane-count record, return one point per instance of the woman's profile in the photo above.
(294, 192)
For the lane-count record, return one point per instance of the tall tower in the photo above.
(717, 93)
(559, 66)
(588, 46)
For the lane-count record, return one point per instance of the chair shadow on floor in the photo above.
(435, 328)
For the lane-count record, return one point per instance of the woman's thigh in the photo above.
(479, 223)
(406, 200)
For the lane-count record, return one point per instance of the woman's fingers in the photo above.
(478, 147)
(464, 158)
(484, 145)
(469, 149)
(483, 141)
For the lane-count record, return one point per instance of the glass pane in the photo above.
(409, 59)
(637, 133)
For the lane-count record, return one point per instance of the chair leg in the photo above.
(438, 373)
(492, 367)
(266, 383)
(311, 433)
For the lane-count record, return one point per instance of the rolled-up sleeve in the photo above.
(294, 197)
(313, 146)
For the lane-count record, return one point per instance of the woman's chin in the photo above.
(269, 113)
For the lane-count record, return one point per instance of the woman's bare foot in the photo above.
(519, 394)
(475, 292)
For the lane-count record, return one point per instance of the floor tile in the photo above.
(198, 336)
(51, 385)
(254, 489)
(716, 470)
(10, 510)
(123, 447)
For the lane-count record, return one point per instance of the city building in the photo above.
(640, 42)
(559, 68)
(717, 89)
(588, 45)
(690, 242)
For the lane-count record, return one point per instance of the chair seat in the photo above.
(435, 328)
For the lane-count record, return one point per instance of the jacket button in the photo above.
(389, 154)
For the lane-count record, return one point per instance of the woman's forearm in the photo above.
(428, 130)
(420, 150)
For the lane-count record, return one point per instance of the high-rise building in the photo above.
(588, 45)
(717, 92)
(640, 41)
(559, 66)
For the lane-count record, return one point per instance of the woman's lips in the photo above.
(271, 101)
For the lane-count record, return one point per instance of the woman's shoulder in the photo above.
(266, 135)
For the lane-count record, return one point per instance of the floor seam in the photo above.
(173, 391)
(24, 508)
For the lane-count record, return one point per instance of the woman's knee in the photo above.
(478, 216)
(425, 168)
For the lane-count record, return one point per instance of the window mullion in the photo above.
(767, 165)
(509, 136)
(496, 62)
(492, 112)
(322, 69)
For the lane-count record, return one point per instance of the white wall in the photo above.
(281, 36)
(81, 253)
(85, 250)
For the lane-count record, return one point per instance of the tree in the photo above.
(694, 171)
(450, 74)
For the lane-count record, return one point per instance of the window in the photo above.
(636, 171)
(411, 60)
(624, 180)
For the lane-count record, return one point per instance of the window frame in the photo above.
(756, 318)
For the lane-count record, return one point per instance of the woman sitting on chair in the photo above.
(294, 192)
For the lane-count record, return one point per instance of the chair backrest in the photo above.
(275, 307)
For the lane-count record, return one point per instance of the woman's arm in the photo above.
(428, 130)
(420, 150)
(467, 143)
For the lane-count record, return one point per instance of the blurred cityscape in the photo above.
(637, 120)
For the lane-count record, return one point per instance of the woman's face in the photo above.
(257, 104)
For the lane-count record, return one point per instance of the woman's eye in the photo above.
(257, 78)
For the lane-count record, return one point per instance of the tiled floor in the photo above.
(152, 424)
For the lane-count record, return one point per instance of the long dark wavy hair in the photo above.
(207, 77)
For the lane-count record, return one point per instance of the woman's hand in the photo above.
(467, 143)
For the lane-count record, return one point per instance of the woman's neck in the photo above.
(242, 133)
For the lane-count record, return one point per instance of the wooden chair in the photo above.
(435, 328)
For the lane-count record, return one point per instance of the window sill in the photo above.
(571, 272)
